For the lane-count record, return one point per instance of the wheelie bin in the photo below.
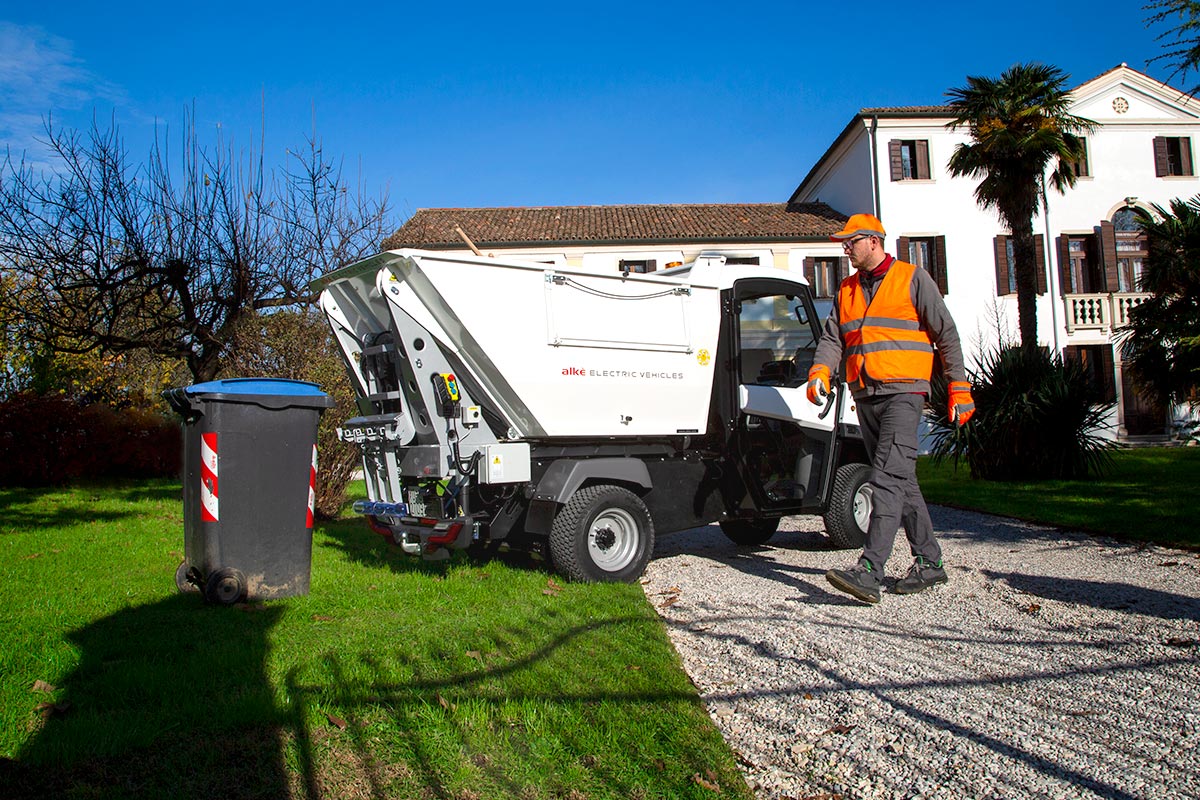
(249, 476)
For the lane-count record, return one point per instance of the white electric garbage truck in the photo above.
(579, 415)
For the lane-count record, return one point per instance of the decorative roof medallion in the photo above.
(1120, 105)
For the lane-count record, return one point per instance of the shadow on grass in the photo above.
(168, 700)
(355, 540)
(52, 507)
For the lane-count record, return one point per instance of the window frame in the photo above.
(919, 159)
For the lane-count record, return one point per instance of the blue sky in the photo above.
(515, 104)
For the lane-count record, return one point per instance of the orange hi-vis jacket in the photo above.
(883, 340)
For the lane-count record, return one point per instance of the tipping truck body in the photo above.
(576, 414)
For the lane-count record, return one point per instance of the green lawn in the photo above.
(1150, 494)
(393, 678)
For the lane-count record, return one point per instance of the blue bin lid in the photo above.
(278, 387)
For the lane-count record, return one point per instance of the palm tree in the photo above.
(1162, 340)
(1019, 125)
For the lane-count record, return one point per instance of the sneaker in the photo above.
(921, 575)
(859, 581)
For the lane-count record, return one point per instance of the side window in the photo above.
(777, 341)
(909, 159)
(1172, 156)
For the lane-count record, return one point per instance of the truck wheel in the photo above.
(749, 532)
(602, 534)
(849, 511)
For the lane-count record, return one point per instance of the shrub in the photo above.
(52, 440)
(1037, 416)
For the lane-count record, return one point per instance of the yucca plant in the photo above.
(1037, 417)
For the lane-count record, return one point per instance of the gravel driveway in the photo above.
(1053, 664)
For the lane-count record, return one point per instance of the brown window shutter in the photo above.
(1085, 169)
(897, 165)
(939, 260)
(1107, 368)
(1160, 156)
(902, 249)
(1064, 266)
(843, 271)
(1039, 245)
(1108, 255)
(810, 272)
(923, 159)
(1000, 250)
(1185, 154)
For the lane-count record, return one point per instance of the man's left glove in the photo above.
(818, 384)
(962, 405)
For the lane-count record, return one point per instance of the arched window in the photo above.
(1126, 220)
(1131, 249)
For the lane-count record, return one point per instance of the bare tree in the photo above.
(1181, 39)
(170, 257)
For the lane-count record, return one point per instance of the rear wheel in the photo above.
(850, 504)
(749, 532)
(602, 534)
(225, 586)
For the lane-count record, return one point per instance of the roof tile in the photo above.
(619, 224)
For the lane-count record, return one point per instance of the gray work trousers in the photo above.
(889, 427)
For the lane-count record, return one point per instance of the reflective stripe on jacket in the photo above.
(883, 340)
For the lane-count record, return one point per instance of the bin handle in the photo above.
(181, 402)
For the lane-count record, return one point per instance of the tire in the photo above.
(850, 505)
(749, 532)
(225, 586)
(603, 534)
(187, 580)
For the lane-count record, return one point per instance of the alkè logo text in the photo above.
(583, 372)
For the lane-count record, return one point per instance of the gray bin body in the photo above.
(248, 456)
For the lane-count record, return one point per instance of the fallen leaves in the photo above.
(336, 721)
(322, 618)
(1176, 641)
(672, 597)
(1032, 608)
(708, 781)
(41, 686)
(552, 589)
(444, 703)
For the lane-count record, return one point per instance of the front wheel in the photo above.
(749, 532)
(602, 534)
(850, 505)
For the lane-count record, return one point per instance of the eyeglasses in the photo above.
(849, 243)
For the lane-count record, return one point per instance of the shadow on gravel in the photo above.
(757, 561)
(1098, 594)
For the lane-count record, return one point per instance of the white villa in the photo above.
(892, 162)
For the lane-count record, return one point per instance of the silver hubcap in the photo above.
(863, 499)
(612, 539)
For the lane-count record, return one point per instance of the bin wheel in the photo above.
(225, 586)
(187, 578)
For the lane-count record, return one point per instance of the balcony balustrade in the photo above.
(1102, 312)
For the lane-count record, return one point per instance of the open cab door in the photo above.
(785, 443)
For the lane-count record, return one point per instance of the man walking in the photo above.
(887, 318)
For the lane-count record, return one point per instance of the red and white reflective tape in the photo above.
(208, 478)
(312, 487)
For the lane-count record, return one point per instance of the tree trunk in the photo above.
(1025, 267)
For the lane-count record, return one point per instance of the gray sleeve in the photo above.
(829, 347)
(937, 322)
